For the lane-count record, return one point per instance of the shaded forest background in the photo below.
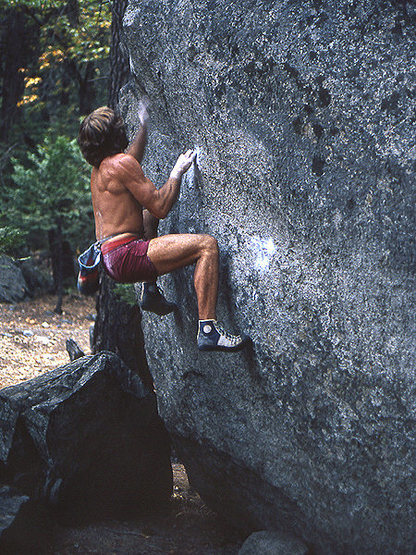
(59, 60)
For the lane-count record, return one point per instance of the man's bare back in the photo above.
(116, 211)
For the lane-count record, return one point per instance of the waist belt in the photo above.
(108, 247)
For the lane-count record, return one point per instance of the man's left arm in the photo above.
(136, 149)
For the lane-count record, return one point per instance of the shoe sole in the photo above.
(239, 347)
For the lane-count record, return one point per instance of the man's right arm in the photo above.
(157, 201)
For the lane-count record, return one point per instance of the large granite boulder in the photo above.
(85, 439)
(303, 114)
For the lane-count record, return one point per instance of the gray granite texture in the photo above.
(304, 118)
(271, 543)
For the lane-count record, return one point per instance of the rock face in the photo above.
(86, 440)
(13, 287)
(304, 116)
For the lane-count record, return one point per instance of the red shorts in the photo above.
(126, 261)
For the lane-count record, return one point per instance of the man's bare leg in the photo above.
(152, 299)
(175, 251)
(171, 252)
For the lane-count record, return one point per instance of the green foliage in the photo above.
(73, 34)
(53, 191)
(126, 293)
(64, 65)
(11, 239)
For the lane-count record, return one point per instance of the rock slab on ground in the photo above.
(303, 115)
(86, 440)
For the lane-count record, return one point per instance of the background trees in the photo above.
(58, 61)
(54, 68)
(54, 60)
(51, 202)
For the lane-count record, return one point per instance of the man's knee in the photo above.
(210, 244)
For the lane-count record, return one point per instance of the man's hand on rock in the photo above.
(183, 164)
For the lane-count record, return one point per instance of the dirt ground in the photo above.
(32, 341)
(32, 336)
(189, 527)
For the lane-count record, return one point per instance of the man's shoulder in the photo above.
(120, 164)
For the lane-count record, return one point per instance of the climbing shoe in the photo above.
(213, 337)
(153, 300)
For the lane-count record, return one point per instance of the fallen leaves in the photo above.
(32, 336)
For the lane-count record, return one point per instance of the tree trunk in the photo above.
(56, 251)
(13, 54)
(118, 325)
(86, 91)
(118, 329)
(119, 61)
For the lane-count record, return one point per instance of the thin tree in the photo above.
(118, 324)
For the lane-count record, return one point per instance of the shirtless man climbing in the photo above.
(127, 208)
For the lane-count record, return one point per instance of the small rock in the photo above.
(24, 524)
(28, 333)
(73, 350)
(272, 543)
(42, 340)
(45, 325)
(12, 283)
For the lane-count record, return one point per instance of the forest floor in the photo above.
(32, 341)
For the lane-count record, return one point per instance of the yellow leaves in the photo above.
(57, 54)
(32, 81)
(27, 99)
(49, 56)
(30, 96)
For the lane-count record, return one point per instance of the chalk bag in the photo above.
(88, 276)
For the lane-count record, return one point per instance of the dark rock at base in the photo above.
(85, 439)
(37, 281)
(25, 526)
(13, 286)
(272, 543)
